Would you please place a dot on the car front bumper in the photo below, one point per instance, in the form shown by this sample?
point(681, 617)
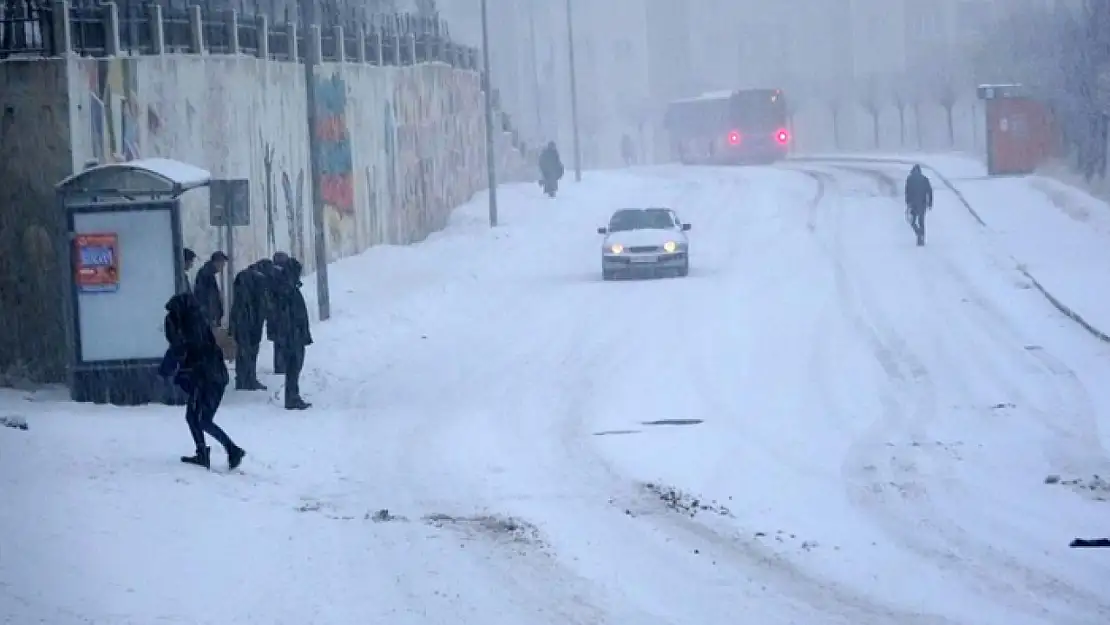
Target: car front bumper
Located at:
point(643, 262)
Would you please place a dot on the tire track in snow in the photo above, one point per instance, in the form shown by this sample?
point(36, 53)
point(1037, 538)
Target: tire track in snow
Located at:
point(825, 598)
point(871, 450)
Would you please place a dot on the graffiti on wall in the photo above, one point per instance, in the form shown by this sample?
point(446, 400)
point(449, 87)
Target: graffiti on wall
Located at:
point(294, 212)
point(114, 110)
point(333, 145)
point(293, 196)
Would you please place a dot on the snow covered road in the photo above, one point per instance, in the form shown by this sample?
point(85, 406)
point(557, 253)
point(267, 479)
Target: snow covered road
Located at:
point(854, 431)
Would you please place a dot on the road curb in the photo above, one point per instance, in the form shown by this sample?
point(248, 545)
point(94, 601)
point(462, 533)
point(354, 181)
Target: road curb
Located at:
point(1052, 299)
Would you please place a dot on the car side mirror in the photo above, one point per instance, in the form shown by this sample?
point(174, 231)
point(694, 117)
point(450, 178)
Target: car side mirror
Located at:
point(603, 231)
point(685, 227)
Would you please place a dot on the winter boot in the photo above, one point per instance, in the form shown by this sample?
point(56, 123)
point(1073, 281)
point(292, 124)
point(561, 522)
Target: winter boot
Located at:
point(235, 457)
point(202, 459)
point(297, 404)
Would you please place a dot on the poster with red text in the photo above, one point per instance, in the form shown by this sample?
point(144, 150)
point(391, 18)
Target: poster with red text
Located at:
point(96, 261)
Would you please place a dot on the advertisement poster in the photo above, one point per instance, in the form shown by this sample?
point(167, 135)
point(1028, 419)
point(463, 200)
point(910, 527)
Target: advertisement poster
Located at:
point(97, 260)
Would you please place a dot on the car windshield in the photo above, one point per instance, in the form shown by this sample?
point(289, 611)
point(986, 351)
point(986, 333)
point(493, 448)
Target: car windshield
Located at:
point(640, 220)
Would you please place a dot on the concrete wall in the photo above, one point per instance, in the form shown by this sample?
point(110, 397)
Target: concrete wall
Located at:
point(34, 154)
point(400, 146)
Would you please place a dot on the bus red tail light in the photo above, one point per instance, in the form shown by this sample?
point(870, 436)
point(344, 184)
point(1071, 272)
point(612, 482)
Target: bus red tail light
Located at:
point(782, 136)
point(734, 137)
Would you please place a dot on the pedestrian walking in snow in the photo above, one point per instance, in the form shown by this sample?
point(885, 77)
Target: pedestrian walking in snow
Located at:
point(195, 363)
point(551, 169)
point(280, 259)
point(919, 199)
point(291, 330)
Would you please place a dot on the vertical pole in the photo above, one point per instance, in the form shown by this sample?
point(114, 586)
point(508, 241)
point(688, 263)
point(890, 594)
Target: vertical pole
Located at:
point(535, 65)
point(491, 163)
point(311, 59)
point(573, 96)
point(229, 289)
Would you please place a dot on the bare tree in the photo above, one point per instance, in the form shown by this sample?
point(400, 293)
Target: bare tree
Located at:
point(872, 98)
point(948, 89)
point(900, 94)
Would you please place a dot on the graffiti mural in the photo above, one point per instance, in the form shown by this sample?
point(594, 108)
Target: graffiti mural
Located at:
point(114, 110)
point(294, 212)
point(293, 196)
point(269, 205)
point(333, 145)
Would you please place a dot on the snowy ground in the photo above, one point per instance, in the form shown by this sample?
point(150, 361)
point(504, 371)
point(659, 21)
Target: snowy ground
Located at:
point(877, 422)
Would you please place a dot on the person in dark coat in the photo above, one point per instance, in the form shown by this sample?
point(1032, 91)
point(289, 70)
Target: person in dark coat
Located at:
point(207, 288)
point(188, 259)
point(919, 198)
point(551, 169)
point(280, 259)
point(195, 363)
point(249, 309)
point(291, 330)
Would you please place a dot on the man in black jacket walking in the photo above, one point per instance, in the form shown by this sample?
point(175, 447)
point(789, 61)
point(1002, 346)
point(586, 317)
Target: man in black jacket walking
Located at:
point(291, 329)
point(249, 309)
point(196, 364)
point(207, 288)
point(551, 169)
point(919, 198)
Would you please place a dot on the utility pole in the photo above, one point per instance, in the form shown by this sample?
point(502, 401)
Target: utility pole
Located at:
point(573, 96)
point(535, 65)
point(491, 161)
point(311, 61)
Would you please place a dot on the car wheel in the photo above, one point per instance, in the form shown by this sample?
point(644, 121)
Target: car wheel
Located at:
point(608, 275)
point(684, 270)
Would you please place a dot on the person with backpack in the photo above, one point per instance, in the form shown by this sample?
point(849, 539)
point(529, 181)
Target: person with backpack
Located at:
point(919, 199)
point(195, 363)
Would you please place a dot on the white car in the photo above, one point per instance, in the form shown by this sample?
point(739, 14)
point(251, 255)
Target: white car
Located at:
point(644, 241)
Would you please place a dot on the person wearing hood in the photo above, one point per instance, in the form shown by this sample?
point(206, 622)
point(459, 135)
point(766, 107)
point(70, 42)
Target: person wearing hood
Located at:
point(207, 288)
point(249, 309)
point(551, 169)
point(195, 363)
point(919, 198)
point(291, 330)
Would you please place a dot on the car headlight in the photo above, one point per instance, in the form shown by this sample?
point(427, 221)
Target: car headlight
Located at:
point(670, 246)
point(616, 248)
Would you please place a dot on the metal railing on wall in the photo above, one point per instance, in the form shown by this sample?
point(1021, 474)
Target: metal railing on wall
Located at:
point(268, 29)
point(99, 29)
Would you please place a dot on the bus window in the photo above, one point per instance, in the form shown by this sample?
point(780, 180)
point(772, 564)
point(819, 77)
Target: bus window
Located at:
point(759, 110)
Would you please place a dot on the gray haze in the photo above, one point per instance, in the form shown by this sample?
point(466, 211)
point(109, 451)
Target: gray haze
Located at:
point(854, 56)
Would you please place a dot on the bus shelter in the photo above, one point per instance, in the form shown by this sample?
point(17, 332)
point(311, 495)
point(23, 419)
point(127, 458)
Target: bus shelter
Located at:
point(123, 250)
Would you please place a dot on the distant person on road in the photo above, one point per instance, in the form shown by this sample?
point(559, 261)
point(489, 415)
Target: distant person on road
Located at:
point(919, 198)
point(207, 288)
point(195, 363)
point(628, 151)
point(291, 330)
point(551, 169)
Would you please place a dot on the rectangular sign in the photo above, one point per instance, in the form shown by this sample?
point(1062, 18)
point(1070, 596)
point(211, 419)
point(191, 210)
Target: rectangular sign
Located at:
point(96, 262)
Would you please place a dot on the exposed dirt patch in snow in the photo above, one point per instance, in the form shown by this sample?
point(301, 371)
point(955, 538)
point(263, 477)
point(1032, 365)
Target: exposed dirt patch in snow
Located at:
point(500, 527)
point(1096, 487)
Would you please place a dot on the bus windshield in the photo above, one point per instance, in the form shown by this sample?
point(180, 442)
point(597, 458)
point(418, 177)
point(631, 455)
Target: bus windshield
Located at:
point(759, 110)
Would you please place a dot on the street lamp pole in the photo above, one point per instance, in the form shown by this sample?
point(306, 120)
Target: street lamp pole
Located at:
point(573, 96)
point(491, 161)
point(535, 66)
